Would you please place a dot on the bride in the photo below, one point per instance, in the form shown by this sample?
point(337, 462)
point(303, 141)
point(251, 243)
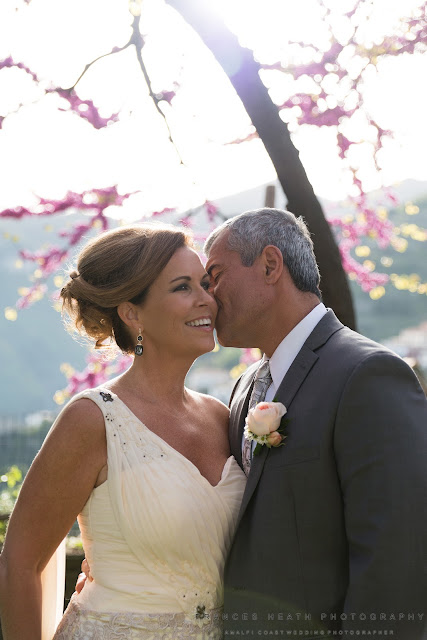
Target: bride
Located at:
point(143, 462)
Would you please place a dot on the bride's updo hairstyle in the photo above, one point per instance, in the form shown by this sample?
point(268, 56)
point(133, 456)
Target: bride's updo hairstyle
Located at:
point(117, 266)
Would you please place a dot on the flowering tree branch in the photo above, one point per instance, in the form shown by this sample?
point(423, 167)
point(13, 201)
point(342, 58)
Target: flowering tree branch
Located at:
point(336, 97)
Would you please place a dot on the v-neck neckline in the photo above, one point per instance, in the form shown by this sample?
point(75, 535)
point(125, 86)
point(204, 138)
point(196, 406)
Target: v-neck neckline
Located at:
point(225, 468)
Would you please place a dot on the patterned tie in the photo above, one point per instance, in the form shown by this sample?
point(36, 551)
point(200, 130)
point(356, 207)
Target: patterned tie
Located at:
point(263, 380)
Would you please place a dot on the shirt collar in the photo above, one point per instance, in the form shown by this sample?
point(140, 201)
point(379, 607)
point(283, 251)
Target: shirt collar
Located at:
point(288, 349)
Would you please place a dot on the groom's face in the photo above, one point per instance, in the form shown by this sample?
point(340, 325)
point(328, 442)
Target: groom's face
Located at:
point(238, 291)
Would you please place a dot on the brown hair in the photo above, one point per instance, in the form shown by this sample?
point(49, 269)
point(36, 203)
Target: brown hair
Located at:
point(117, 266)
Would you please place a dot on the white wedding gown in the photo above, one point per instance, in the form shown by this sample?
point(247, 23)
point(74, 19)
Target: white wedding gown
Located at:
point(156, 535)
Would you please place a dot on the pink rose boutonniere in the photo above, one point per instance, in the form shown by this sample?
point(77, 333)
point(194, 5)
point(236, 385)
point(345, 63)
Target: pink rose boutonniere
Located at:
point(263, 424)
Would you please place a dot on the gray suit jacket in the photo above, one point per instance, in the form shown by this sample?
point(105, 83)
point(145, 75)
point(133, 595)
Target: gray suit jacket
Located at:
point(332, 527)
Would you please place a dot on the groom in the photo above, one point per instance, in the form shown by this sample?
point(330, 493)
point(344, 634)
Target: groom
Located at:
point(331, 534)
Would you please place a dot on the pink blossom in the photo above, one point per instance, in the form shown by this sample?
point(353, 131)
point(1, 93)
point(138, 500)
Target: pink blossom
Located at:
point(36, 292)
point(84, 108)
point(312, 69)
point(366, 279)
point(94, 199)
point(48, 261)
point(165, 210)
point(76, 233)
point(311, 114)
point(328, 118)
point(343, 144)
point(249, 356)
point(186, 221)
point(78, 230)
point(332, 54)
point(250, 136)
point(9, 63)
point(211, 209)
point(96, 372)
point(390, 195)
point(167, 96)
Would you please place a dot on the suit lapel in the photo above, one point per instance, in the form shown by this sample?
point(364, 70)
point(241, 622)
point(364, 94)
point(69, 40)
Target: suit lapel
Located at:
point(296, 375)
point(286, 392)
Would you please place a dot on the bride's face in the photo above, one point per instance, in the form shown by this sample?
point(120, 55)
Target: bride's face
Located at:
point(178, 314)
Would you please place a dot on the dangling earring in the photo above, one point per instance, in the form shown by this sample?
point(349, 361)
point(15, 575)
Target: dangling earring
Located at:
point(138, 347)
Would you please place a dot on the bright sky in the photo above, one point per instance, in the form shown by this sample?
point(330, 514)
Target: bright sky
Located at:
point(45, 151)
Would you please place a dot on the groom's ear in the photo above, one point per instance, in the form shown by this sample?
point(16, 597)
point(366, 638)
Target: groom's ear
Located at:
point(273, 263)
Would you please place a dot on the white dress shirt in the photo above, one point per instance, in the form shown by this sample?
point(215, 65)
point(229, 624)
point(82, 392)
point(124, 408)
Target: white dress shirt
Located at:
point(288, 350)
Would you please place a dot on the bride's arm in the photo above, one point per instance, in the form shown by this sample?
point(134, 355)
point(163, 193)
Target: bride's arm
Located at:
point(55, 490)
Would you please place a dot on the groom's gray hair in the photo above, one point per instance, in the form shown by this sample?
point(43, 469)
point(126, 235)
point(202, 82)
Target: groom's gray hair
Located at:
point(252, 231)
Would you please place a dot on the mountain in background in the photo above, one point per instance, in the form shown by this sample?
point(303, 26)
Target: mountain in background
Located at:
point(34, 346)
point(406, 191)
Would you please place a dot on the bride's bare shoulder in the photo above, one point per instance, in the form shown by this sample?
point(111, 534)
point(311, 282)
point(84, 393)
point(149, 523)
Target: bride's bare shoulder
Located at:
point(211, 406)
point(80, 415)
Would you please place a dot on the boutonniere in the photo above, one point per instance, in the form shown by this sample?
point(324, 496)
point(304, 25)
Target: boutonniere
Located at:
point(264, 425)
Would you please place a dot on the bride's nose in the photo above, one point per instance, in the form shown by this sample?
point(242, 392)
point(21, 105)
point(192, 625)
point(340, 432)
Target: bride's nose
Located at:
point(205, 297)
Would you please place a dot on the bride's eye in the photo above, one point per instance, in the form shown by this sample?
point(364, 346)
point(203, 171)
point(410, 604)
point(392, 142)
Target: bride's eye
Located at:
point(182, 287)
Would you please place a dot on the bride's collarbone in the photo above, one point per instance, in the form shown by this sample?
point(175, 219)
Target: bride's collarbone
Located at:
point(199, 440)
point(184, 431)
point(184, 421)
point(194, 430)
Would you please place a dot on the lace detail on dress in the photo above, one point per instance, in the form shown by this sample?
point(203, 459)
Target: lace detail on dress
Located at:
point(83, 624)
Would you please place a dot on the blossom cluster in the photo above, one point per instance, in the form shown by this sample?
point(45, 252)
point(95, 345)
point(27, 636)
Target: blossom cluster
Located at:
point(48, 260)
point(335, 98)
point(8, 63)
point(85, 109)
point(96, 372)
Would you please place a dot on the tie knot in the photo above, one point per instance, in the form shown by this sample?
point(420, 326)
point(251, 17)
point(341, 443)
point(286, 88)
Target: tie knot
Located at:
point(263, 371)
point(262, 381)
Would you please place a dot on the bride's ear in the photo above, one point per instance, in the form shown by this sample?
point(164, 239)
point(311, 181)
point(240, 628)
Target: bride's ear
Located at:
point(128, 313)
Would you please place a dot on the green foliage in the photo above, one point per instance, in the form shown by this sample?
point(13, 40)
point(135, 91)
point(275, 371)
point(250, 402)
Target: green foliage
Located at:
point(13, 480)
point(12, 477)
point(74, 544)
point(20, 447)
point(10, 486)
point(398, 308)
